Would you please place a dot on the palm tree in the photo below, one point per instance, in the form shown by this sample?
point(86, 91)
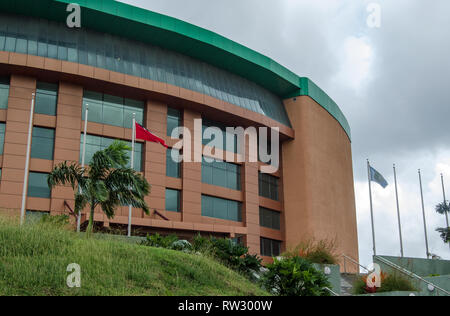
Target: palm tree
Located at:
point(106, 182)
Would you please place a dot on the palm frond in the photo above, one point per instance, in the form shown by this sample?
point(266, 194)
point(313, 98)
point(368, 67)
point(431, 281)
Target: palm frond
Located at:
point(443, 208)
point(65, 173)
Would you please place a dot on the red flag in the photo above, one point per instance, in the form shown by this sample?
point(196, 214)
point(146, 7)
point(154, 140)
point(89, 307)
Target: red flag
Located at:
point(144, 134)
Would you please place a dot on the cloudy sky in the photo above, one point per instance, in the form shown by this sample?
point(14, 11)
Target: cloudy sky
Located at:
point(391, 82)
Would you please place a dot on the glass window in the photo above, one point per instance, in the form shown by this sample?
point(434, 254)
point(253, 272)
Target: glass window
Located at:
point(268, 186)
point(96, 143)
point(221, 208)
point(46, 98)
point(173, 168)
point(220, 173)
point(2, 137)
point(173, 200)
point(4, 93)
point(43, 143)
point(207, 123)
point(112, 110)
point(173, 120)
point(269, 218)
point(35, 216)
point(270, 247)
point(37, 185)
point(0, 174)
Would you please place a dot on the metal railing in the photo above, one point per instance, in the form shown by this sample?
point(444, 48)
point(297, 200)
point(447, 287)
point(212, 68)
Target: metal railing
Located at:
point(353, 261)
point(410, 274)
point(331, 291)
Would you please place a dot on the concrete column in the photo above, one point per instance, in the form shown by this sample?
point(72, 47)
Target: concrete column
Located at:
point(192, 177)
point(67, 139)
point(15, 146)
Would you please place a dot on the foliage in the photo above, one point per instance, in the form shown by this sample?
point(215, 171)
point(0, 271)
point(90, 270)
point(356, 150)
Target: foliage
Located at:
point(158, 241)
point(295, 276)
point(57, 220)
point(444, 209)
point(106, 182)
point(445, 234)
point(34, 259)
point(389, 283)
point(321, 252)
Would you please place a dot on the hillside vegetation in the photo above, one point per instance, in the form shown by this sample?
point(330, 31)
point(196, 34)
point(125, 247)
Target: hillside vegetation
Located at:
point(34, 260)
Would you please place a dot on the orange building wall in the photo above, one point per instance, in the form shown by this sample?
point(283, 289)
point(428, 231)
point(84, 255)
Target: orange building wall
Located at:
point(319, 200)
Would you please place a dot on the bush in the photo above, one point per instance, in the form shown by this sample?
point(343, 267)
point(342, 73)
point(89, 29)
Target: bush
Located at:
point(58, 220)
point(235, 256)
point(295, 276)
point(321, 252)
point(389, 283)
point(159, 241)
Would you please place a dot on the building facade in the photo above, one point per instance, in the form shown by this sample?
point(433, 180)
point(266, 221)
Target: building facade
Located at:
point(126, 60)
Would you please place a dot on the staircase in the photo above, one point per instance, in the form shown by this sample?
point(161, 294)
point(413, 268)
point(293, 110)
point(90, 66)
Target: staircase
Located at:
point(347, 281)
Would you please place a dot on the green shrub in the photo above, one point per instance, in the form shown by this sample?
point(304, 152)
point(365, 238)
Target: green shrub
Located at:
point(235, 256)
point(321, 252)
point(158, 241)
point(389, 283)
point(295, 276)
point(57, 220)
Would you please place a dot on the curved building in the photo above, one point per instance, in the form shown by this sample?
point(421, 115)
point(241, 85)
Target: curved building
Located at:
point(126, 60)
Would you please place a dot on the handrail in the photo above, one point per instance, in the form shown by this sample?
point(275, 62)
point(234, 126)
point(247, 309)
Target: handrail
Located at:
point(331, 291)
point(70, 209)
point(355, 262)
point(160, 215)
point(410, 274)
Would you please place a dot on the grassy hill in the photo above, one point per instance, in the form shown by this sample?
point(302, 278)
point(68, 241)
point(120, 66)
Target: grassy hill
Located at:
point(34, 259)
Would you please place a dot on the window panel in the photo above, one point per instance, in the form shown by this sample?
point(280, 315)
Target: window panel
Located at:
point(270, 247)
point(2, 137)
point(269, 218)
point(222, 174)
point(173, 120)
point(173, 168)
point(46, 98)
point(112, 110)
point(221, 208)
point(268, 186)
point(37, 185)
point(172, 200)
point(4, 93)
point(43, 142)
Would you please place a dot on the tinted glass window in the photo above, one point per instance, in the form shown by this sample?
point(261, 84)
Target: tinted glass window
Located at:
point(46, 98)
point(224, 144)
point(268, 186)
point(269, 218)
point(173, 200)
point(2, 137)
point(270, 247)
point(173, 168)
point(37, 185)
point(43, 142)
point(4, 92)
point(222, 174)
point(173, 120)
point(221, 208)
point(111, 110)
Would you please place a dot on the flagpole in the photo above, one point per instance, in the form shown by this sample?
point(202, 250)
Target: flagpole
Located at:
point(133, 139)
point(398, 213)
point(445, 201)
point(27, 162)
point(83, 157)
point(424, 219)
point(371, 209)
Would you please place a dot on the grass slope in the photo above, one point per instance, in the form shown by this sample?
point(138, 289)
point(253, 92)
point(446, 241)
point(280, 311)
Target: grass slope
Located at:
point(34, 259)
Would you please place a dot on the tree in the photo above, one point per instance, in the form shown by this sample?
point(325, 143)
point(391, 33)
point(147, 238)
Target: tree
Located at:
point(444, 209)
point(105, 182)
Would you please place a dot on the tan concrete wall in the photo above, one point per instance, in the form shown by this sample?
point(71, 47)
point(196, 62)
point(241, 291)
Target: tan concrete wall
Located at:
point(319, 196)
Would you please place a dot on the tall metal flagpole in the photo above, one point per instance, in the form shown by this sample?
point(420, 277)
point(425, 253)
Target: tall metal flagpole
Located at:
point(423, 212)
point(83, 157)
point(27, 162)
point(445, 201)
point(398, 213)
point(371, 208)
point(133, 139)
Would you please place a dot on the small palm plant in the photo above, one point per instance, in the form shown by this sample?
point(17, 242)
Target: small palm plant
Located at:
point(105, 182)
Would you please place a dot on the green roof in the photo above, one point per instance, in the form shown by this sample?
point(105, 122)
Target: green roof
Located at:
point(131, 22)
